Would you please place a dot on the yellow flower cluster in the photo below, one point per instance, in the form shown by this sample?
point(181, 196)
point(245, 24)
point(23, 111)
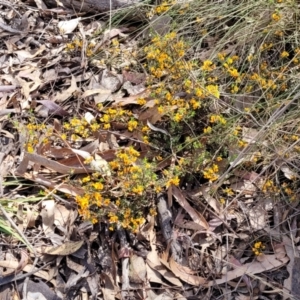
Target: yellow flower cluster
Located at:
point(270, 187)
point(276, 17)
point(77, 44)
point(217, 119)
point(208, 66)
point(211, 173)
point(213, 90)
point(165, 59)
point(33, 131)
point(130, 179)
point(258, 248)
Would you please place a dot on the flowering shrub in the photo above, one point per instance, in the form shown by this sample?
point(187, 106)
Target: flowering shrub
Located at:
point(209, 79)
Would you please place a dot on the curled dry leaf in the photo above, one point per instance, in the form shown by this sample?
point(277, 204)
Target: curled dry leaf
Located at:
point(255, 267)
point(54, 108)
point(110, 81)
point(288, 172)
point(110, 289)
point(62, 187)
point(27, 268)
point(47, 214)
point(65, 94)
point(69, 26)
point(98, 163)
point(16, 267)
point(213, 203)
point(105, 93)
point(137, 269)
point(185, 273)
point(154, 128)
point(257, 217)
point(51, 164)
point(66, 248)
point(195, 215)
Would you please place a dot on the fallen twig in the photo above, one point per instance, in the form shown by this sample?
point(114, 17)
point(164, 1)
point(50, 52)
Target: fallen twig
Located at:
point(165, 218)
point(125, 264)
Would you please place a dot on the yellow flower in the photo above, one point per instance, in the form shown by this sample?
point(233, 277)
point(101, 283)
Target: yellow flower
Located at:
point(98, 199)
point(207, 129)
point(221, 56)
point(178, 117)
point(258, 247)
point(208, 65)
point(242, 144)
point(234, 72)
point(284, 54)
point(234, 89)
point(195, 104)
point(138, 189)
point(157, 189)
point(132, 124)
point(145, 129)
point(86, 179)
point(133, 152)
point(105, 118)
point(213, 90)
point(228, 191)
point(113, 218)
point(250, 57)
point(30, 148)
point(276, 17)
point(127, 213)
point(173, 181)
point(98, 186)
point(215, 168)
point(106, 202)
point(88, 160)
point(160, 109)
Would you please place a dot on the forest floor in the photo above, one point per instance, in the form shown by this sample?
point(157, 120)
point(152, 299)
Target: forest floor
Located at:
point(150, 152)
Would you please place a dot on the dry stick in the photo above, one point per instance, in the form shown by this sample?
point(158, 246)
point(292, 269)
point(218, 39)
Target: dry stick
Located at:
point(12, 278)
point(165, 218)
point(9, 29)
point(27, 279)
point(125, 264)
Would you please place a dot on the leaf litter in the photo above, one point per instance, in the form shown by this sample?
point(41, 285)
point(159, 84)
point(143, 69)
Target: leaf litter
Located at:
point(184, 253)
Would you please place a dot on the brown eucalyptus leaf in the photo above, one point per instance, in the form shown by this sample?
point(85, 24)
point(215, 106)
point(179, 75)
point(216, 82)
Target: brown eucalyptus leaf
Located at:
point(195, 215)
point(54, 108)
point(137, 269)
point(66, 248)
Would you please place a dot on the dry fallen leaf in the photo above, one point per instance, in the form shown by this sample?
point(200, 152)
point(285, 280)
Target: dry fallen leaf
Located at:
point(255, 267)
point(195, 215)
point(66, 248)
point(54, 108)
point(47, 214)
point(137, 269)
point(69, 26)
point(185, 273)
point(65, 94)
